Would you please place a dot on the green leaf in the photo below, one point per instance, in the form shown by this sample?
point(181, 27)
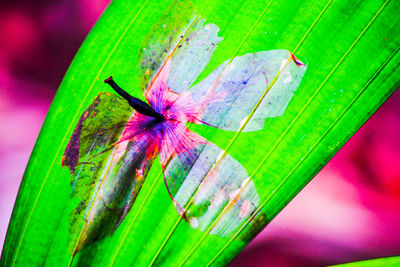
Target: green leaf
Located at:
point(351, 50)
point(389, 261)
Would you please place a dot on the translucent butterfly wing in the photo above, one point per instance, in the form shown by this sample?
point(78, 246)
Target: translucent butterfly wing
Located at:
point(188, 56)
point(193, 55)
point(105, 178)
point(240, 84)
point(212, 191)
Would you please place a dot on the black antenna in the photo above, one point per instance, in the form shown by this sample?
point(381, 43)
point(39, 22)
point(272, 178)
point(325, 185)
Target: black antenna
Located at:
point(137, 104)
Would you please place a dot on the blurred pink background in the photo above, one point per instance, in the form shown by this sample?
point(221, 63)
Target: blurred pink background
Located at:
point(349, 212)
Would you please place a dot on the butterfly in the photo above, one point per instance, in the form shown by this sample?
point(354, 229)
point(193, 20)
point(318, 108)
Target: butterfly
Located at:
point(119, 137)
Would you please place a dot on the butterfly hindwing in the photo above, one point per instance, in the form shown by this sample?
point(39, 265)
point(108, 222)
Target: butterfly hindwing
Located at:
point(210, 189)
point(105, 176)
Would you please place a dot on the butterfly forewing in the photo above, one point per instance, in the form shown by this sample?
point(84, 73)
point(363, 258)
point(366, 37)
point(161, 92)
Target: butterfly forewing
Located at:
point(239, 85)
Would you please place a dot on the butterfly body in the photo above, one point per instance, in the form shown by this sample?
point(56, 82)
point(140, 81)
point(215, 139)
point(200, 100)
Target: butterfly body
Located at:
point(134, 102)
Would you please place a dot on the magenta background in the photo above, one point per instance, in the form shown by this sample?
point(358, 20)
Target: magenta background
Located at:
point(349, 212)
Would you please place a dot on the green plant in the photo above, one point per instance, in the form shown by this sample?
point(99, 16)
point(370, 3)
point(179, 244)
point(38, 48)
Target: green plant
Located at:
point(352, 53)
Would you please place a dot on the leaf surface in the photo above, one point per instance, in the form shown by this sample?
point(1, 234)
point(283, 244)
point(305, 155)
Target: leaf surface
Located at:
point(351, 51)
